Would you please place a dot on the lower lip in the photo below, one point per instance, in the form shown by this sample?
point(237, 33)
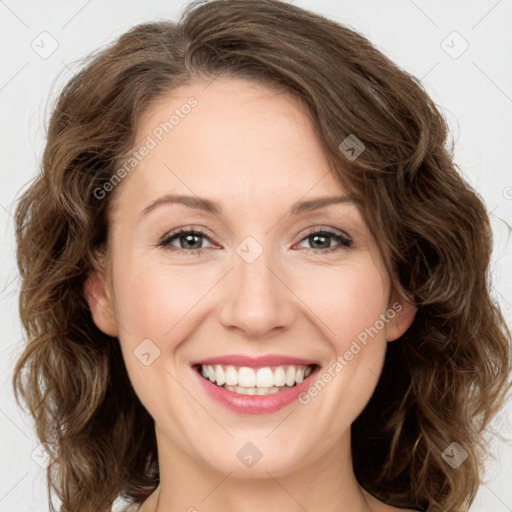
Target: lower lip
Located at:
point(255, 404)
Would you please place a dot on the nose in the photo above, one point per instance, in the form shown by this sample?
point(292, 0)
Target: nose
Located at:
point(259, 300)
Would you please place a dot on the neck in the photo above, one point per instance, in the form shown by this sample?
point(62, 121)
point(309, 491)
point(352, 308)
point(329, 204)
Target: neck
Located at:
point(327, 484)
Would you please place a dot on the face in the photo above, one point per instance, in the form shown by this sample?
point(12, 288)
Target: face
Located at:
point(302, 289)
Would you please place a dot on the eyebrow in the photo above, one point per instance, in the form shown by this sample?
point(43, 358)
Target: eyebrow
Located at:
point(207, 205)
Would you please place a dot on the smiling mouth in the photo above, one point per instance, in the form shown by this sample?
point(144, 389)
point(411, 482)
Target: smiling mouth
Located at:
point(255, 381)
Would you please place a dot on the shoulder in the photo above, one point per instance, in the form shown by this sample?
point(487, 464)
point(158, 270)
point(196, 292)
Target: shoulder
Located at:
point(383, 507)
point(125, 507)
point(380, 506)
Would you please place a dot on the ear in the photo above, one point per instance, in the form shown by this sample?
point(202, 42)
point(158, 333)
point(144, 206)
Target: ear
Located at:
point(97, 292)
point(405, 311)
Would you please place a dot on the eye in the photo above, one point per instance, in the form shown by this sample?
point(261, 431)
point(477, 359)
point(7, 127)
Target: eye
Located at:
point(322, 238)
point(189, 241)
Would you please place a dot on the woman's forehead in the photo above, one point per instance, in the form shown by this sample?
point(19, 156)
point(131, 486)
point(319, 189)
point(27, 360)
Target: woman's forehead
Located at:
point(239, 140)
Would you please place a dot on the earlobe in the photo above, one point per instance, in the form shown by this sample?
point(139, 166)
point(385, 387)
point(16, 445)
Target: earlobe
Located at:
point(405, 311)
point(98, 296)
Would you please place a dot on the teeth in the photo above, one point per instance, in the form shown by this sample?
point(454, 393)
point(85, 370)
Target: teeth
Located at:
point(246, 377)
point(279, 376)
point(265, 379)
point(290, 375)
point(254, 391)
point(220, 376)
point(231, 376)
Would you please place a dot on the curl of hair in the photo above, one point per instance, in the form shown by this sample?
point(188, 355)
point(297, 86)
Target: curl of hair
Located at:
point(443, 381)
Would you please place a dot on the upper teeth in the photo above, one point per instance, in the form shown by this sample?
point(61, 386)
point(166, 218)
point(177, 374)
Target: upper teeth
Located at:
point(265, 377)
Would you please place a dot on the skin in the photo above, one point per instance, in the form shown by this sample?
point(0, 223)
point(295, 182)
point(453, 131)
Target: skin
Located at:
point(254, 151)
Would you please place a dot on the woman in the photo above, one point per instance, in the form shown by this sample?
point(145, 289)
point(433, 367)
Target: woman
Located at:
point(254, 369)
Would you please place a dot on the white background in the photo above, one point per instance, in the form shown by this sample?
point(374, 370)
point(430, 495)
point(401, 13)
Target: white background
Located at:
point(473, 90)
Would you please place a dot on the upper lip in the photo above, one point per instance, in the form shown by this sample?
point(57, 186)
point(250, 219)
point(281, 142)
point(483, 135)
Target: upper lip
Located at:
point(254, 362)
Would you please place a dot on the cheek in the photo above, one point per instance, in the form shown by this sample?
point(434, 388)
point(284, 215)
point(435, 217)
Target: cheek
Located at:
point(350, 304)
point(155, 307)
point(344, 299)
point(156, 300)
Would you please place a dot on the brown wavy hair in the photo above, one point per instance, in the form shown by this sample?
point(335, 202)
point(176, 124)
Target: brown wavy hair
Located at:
point(443, 380)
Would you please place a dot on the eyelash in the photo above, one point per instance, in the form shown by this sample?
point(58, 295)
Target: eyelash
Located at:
point(343, 240)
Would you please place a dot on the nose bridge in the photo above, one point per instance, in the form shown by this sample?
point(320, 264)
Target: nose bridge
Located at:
point(258, 301)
